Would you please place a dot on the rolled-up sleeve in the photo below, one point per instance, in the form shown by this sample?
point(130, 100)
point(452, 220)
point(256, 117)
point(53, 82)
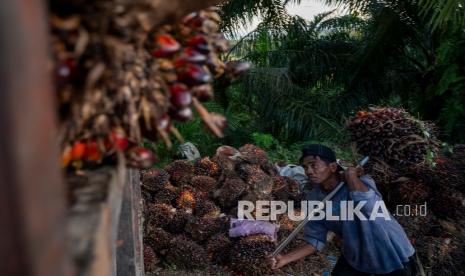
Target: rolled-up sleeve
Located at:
point(315, 234)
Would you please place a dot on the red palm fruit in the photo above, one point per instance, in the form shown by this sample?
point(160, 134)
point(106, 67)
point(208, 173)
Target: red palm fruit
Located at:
point(193, 20)
point(180, 95)
point(92, 152)
point(66, 156)
point(200, 43)
point(203, 92)
point(192, 74)
point(165, 45)
point(190, 55)
point(140, 157)
point(182, 115)
point(119, 139)
point(78, 151)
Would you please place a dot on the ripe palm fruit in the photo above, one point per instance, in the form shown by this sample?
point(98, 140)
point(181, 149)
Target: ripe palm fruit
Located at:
point(187, 254)
point(207, 167)
point(207, 208)
point(230, 192)
point(201, 229)
point(293, 188)
point(165, 45)
point(256, 179)
point(253, 154)
point(186, 199)
point(150, 259)
point(203, 183)
point(78, 150)
point(158, 238)
point(219, 248)
point(192, 74)
point(181, 171)
point(159, 214)
point(181, 97)
point(154, 179)
point(249, 255)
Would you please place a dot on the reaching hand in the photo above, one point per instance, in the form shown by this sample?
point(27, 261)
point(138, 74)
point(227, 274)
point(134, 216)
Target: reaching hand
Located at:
point(277, 262)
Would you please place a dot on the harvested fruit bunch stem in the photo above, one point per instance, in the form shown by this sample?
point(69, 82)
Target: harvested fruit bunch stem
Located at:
point(120, 77)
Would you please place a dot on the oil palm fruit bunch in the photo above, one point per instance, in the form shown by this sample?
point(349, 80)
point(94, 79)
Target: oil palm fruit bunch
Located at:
point(168, 194)
point(200, 229)
point(203, 183)
point(178, 221)
point(207, 208)
point(121, 76)
point(157, 238)
point(207, 167)
point(180, 171)
point(219, 248)
point(159, 214)
point(187, 254)
point(230, 192)
point(249, 255)
point(412, 191)
point(154, 179)
point(150, 259)
point(393, 136)
point(253, 154)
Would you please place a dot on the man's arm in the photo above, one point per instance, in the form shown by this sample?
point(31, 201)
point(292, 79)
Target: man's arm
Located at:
point(297, 254)
point(353, 182)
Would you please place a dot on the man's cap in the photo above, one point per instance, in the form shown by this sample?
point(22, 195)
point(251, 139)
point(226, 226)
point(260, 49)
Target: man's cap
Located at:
point(322, 151)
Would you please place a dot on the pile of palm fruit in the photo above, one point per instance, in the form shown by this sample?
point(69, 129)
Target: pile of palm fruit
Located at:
point(189, 206)
point(121, 76)
point(410, 168)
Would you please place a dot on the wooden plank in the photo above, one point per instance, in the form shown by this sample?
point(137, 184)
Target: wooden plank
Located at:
point(94, 218)
point(32, 195)
point(130, 246)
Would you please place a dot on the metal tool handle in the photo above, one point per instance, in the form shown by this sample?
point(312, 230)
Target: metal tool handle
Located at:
point(301, 224)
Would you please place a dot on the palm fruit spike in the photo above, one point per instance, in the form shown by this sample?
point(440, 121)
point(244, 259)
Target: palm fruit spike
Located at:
point(178, 222)
point(201, 229)
point(249, 253)
point(230, 192)
point(207, 208)
point(150, 259)
point(203, 183)
point(253, 154)
point(219, 248)
point(207, 167)
point(186, 199)
point(159, 214)
point(158, 238)
point(187, 254)
point(180, 171)
point(154, 179)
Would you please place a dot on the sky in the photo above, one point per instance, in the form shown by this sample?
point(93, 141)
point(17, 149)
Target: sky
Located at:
point(307, 9)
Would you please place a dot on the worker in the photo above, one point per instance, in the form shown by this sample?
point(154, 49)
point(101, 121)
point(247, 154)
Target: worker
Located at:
point(378, 246)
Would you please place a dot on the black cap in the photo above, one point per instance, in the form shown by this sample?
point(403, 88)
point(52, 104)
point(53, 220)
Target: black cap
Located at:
point(323, 152)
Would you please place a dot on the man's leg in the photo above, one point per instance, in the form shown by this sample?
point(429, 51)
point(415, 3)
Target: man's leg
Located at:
point(343, 268)
point(408, 270)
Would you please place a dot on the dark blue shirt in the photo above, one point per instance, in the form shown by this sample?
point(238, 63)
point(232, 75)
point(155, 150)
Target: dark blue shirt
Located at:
point(371, 246)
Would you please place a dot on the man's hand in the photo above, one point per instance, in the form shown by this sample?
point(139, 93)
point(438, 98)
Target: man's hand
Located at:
point(277, 262)
point(353, 172)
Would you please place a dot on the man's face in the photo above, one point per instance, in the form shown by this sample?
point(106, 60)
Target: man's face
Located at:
point(317, 170)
